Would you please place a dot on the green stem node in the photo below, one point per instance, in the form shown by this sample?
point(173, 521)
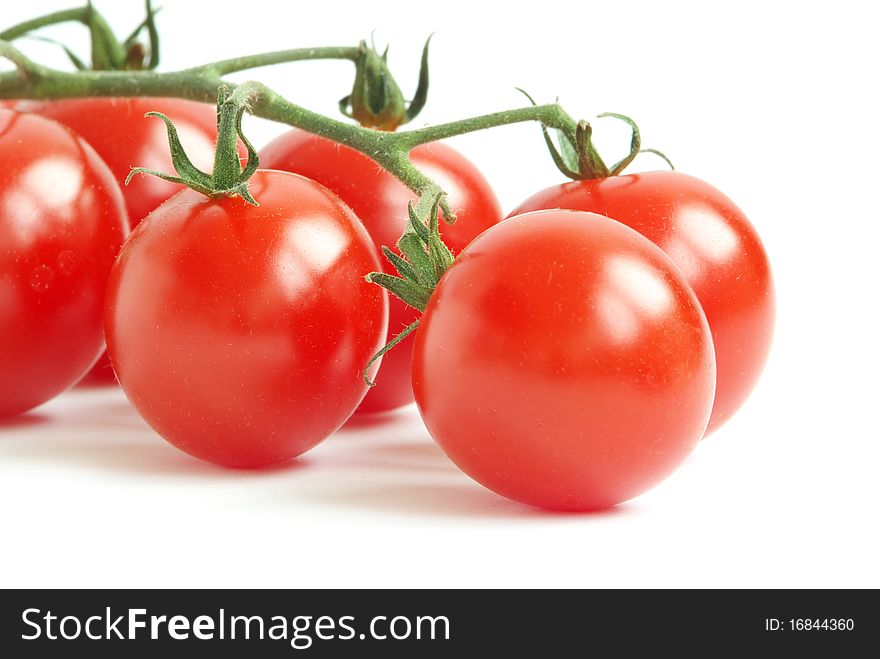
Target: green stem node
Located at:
point(228, 178)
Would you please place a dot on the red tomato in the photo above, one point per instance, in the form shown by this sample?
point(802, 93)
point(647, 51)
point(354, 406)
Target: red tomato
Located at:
point(118, 131)
point(716, 248)
point(62, 221)
point(240, 332)
point(563, 361)
point(380, 201)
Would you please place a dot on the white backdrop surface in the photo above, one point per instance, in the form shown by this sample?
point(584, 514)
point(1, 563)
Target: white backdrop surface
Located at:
point(771, 102)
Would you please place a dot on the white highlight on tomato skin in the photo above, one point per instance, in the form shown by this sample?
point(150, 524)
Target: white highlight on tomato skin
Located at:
point(703, 236)
point(23, 213)
point(310, 248)
point(48, 185)
point(55, 181)
point(641, 284)
point(635, 290)
point(618, 317)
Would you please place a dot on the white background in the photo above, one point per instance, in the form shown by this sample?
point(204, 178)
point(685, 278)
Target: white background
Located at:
point(774, 103)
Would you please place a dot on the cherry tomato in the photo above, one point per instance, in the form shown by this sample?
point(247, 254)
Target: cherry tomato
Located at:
point(116, 128)
point(563, 361)
point(380, 201)
point(62, 221)
point(240, 333)
point(716, 248)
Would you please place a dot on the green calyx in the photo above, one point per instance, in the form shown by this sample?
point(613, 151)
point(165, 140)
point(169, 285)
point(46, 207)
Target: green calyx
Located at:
point(580, 160)
point(376, 100)
point(228, 178)
point(108, 53)
point(577, 157)
point(422, 261)
point(425, 257)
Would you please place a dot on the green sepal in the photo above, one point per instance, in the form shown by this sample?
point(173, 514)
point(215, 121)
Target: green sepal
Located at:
point(400, 264)
point(388, 346)
point(409, 292)
point(253, 157)
point(421, 96)
point(439, 254)
point(579, 159)
point(133, 47)
point(243, 191)
point(635, 144)
point(179, 158)
point(376, 100)
point(590, 163)
point(344, 105)
point(415, 251)
point(565, 157)
point(76, 61)
point(228, 178)
point(107, 52)
point(423, 260)
point(208, 192)
point(78, 64)
point(661, 155)
point(416, 224)
point(567, 151)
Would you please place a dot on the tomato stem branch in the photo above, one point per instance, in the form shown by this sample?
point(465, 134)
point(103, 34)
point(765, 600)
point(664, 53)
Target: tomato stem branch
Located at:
point(551, 115)
point(236, 64)
point(201, 83)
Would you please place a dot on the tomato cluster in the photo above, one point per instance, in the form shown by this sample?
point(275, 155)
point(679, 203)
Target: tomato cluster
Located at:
point(569, 356)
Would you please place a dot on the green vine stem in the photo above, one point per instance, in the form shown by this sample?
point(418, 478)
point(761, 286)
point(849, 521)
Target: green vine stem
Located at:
point(78, 15)
point(375, 101)
point(108, 52)
point(390, 150)
point(236, 64)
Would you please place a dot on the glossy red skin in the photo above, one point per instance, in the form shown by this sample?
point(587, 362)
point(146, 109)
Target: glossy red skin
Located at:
point(380, 201)
point(124, 138)
point(240, 333)
point(714, 245)
point(564, 362)
point(62, 221)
